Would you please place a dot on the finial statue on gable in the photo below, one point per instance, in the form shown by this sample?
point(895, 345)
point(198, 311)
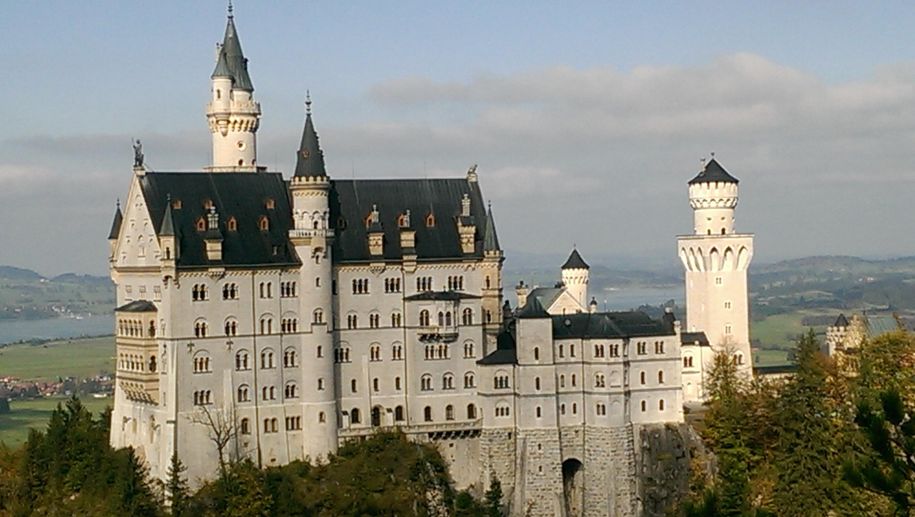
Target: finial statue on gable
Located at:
point(472, 173)
point(137, 155)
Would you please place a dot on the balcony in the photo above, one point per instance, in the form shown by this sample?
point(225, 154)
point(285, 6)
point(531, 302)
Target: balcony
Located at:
point(437, 334)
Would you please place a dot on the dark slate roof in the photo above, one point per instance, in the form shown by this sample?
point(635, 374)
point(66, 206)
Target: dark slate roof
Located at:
point(452, 296)
point(241, 195)
point(575, 261)
point(505, 353)
point(533, 309)
point(546, 295)
point(490, 239)
point(310, 157)
point(841, 321)
point(607, 325)
point(235, 60)
point(116, 223)
point(775, 369)
point(351, 202)
point(168, 223)
point(689, 338)
point(138, 306)
point(713, 172)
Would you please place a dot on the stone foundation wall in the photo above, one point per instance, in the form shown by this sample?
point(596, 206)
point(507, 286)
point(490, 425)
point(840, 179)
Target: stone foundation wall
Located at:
point(498, 457)
point(663, 463)
point(539, 485)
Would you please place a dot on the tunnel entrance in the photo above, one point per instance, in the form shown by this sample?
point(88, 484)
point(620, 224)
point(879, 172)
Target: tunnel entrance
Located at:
point(573, 487)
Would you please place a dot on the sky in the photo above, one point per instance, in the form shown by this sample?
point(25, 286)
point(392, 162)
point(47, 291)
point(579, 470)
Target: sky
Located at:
point(586, 119)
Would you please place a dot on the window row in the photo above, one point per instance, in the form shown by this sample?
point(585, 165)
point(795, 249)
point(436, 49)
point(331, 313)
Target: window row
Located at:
point(392, 285)
point(135, 328)
point(444, 318)
point(425, 382)
point(135, 363)
point(360, 286)
point(352, 320)
point(642, 347)
point(290, 359)
point(287, 289)
point(456, 283)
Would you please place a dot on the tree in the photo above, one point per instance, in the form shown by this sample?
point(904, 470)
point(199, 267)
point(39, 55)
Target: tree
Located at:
point(222, 429)
point(814, 429)
point(493, 497)
point(176, 486)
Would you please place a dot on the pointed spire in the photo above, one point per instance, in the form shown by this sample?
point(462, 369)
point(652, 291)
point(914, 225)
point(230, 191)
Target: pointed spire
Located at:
point(222, 67)
point(490, 239)
point(167, 228)
point(236, 64)
point(309, 158)
point(116, 224)
point(575, 261)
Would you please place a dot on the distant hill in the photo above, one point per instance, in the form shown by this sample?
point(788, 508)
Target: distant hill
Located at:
point(26, 294)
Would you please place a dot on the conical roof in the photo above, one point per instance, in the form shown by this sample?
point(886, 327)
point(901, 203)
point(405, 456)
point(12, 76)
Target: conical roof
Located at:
point(116, 223)
point(167, 228)
point(490, 239)
point(310, 158)
point(712, 173)
point(236, 66)
point(575, 261)
point(841, 321)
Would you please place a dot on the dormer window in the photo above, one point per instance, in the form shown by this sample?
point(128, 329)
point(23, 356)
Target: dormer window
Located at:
point(207, 204)
point(201, 224)
point(232, 224)
point(341, 223)
point(270, 203)
point(368, 220)
point(264, 224)
point(402, 221)
point(430, 220)
point(176, 204)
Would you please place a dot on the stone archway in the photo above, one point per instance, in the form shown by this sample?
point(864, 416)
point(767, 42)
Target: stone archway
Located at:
point(573, 487)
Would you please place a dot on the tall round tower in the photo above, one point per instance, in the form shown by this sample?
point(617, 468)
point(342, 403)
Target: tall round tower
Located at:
point(716, 259)
point(232, 113)
point(312, 237)
point(575, 276)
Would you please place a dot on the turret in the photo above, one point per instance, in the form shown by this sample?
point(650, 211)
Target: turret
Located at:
point(575, 275)
point(232, 113)
point(713, 197)
point(312, 237)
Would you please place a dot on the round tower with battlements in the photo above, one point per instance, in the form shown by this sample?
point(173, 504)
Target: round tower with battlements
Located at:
point(575, 276)
point(716, 259)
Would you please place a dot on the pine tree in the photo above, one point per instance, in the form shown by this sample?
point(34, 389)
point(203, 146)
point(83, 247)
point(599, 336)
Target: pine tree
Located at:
point(813, 432)
point(176, 486)
point(493, 497)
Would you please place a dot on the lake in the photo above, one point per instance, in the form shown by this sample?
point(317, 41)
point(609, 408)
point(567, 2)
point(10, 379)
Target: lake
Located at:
point(55, 328)
point(625, 298)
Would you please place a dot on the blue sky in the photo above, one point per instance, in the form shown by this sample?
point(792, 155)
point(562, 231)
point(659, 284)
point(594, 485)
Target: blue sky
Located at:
point(580, 115)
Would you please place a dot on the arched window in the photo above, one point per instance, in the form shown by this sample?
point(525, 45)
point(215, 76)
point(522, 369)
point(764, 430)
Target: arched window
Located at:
point(427, 413)
point(354, 416)
point(352, 386)
point(245, 426)
point(642, 377)
point(661, 377)
point(441, 319)
point(469, 381)
point(267, 359)
point(398, 414)
point(241, 360)
point(425, 382)
point(375, 352)
point(232, 224)
point(291, 391)
point(448, 318)
point(599, 381)
point(202, 362)
point(395, 319)
point(318, 316)
point(471, 412)
point(231, 327)
point(536, 353)
point(661, 405)
point(537, 383)
point(264, 223)
point(200, 328)
point(448, 381)
point(449, 412)
point(467, 316)
point(562, 381)
point(290, 358)
point(244, 394)
point(644, 405)
point(423, 318)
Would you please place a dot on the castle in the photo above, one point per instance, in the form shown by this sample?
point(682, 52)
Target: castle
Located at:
point(272, 318)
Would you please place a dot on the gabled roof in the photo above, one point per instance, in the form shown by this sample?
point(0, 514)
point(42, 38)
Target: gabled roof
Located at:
point(533, 309)
point(351, 202)
point(712, 173)
point(116, 223)
point(692, 338)
point(309, 158)
point(239, 195)
point(490, 239)
point(236, 66)
point(607, 325)
point(138, 306)
point(575, 261)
